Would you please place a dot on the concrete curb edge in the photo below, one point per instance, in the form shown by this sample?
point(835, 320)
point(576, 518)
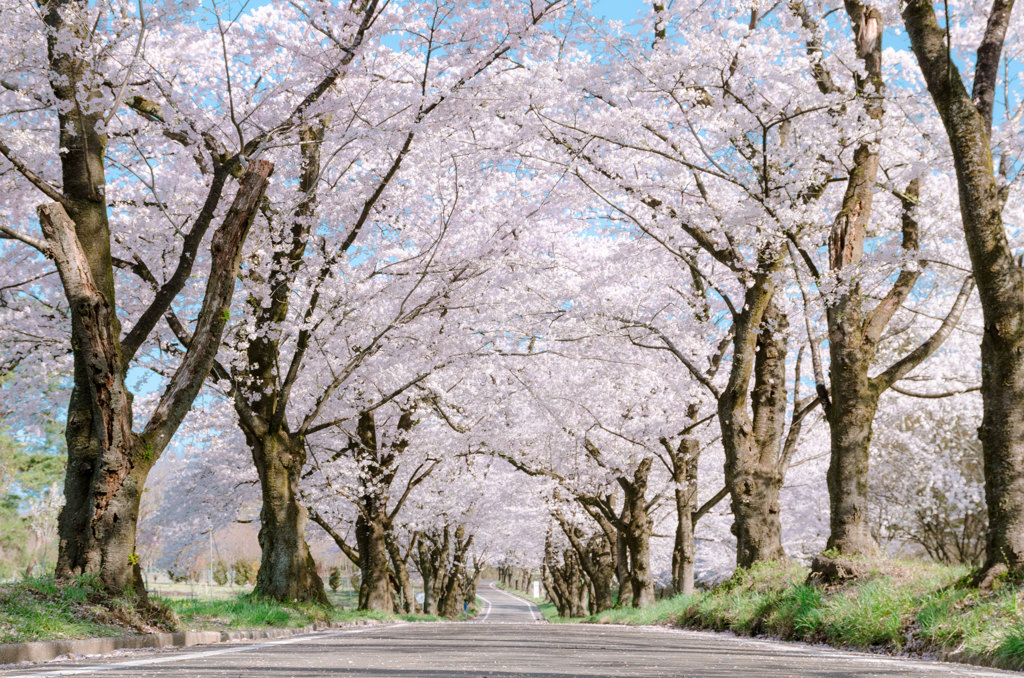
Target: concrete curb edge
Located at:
point(45, 650)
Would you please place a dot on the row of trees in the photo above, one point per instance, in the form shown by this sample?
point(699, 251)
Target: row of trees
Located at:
point(454, 284)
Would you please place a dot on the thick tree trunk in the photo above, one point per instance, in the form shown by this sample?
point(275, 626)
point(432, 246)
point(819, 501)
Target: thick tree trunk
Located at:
point(967, 118)
point(638, 535)
point(854, 402)
point(107, 462)
point(287, 570)
point(371, 537)
point(851, 344)
point(450, 601)
point(752, 447)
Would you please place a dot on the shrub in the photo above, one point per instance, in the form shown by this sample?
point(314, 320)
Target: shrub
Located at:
point(220, 573)
point(245, 571)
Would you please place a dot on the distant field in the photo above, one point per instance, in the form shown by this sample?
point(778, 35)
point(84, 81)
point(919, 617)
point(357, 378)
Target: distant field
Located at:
point(344, 597)
point(341, 597)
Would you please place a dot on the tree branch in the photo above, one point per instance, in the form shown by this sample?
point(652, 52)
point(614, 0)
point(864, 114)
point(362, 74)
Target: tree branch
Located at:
point(226, 251)
point(899, 369)
point(49, 191)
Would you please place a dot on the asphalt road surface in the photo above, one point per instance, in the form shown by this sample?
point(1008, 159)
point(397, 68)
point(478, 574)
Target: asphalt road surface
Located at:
point(507, 641)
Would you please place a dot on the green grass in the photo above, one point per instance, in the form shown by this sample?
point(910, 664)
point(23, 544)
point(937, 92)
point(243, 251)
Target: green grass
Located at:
point(896, 606)
point(39, 609)
point(245, 611)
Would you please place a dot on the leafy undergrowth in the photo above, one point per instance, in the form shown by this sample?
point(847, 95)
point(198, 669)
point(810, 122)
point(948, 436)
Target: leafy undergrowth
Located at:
point(42, 609)
point(250, 612)
point(896, 606)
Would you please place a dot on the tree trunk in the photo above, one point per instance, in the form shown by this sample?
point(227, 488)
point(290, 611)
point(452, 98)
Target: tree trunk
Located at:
point(622, 570)
point(371, 536)
point(287, 570)
point(595, 557)
point(450, 600)
point(684, 475)
point(427, 566)
point(603, 572)
point(638, 535)
point(967, 118)
point(565, 583)
point(405, 600)
point(854, 402)
point(851, 344)
point(752, 447)
point(107, 462)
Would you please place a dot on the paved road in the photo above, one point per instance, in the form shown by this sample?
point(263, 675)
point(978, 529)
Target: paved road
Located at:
point(504, 608)
point(504, 650)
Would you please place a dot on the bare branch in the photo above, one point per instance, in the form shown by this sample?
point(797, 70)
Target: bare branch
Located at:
point(899, 369)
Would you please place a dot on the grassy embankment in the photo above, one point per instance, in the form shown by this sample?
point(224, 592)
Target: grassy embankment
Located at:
point(38, 609)
point(896, 606)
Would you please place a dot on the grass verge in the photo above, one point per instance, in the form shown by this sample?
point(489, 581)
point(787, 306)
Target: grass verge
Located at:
point(896, 606)
point(42, 609)
point(249, 612)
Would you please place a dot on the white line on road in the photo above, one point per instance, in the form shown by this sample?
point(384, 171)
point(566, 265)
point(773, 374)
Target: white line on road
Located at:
point(197, 655)
point(488, 613)
point(534, 610)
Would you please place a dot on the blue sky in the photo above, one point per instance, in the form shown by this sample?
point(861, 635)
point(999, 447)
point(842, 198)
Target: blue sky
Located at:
point(621, 10)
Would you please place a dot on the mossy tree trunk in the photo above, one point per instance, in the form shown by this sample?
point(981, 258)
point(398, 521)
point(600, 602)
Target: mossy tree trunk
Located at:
point(855, 328)
point(967, 117)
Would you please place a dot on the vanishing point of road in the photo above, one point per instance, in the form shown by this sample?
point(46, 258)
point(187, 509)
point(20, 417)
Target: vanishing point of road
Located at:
point(508, 640)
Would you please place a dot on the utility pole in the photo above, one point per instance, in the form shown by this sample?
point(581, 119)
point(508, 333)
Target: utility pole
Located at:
point(211, 560)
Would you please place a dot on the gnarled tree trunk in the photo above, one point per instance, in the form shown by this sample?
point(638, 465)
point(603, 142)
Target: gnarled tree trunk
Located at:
point(107, 462)
point(640, 526)
point(371, 538)
point(287, 570)
point(752, 446)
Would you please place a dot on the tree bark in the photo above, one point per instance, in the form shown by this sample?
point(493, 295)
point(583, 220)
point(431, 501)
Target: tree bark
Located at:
point(684, 476)
point(967, 119)
point(287, 570)
point(752, 446)
point(107, 462)
point(371, 537)
point(373, 523)
point(638, 535)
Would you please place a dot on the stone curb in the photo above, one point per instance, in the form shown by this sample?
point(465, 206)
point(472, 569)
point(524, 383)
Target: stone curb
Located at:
point(989, 662)
point(45, 650)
